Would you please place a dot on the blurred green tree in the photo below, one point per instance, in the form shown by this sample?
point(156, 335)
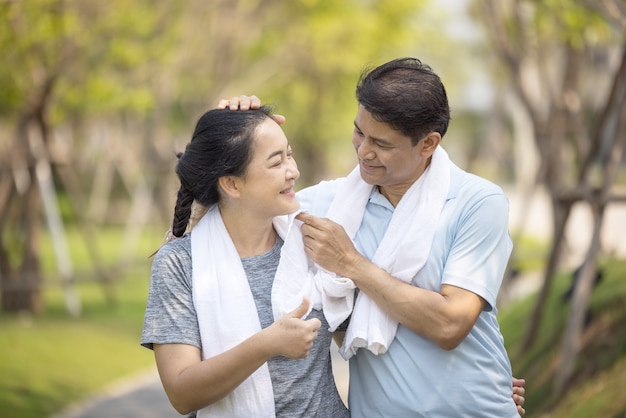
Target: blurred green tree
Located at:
point(63, 61)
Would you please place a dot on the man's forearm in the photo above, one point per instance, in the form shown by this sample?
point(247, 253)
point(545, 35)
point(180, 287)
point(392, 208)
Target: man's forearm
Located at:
point(444, 318)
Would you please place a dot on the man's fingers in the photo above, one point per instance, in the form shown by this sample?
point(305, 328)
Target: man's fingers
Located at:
point(238, 102)
point(223, 104)
point(309, 226)
point(248, 102)
point(242, 102)
point(279, 119)
point(307, 218)
point(518, 386)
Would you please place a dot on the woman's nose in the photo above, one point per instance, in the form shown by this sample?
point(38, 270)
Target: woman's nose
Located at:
point(292, 171)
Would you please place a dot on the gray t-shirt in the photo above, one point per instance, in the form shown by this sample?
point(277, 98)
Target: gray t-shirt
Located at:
point(302, 388)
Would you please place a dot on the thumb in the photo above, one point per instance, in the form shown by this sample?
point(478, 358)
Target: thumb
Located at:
point(279, 119)
point(304, 217)
point(301, 310)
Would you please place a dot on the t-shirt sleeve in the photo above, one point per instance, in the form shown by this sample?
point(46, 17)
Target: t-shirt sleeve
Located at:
point(170, 316)
point(481, 250)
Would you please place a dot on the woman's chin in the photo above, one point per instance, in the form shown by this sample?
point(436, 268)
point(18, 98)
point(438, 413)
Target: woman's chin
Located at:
point(292, 207)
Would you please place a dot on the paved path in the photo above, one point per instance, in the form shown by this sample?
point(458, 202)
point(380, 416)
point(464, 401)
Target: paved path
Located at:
point(135, 397)
point(142, 396)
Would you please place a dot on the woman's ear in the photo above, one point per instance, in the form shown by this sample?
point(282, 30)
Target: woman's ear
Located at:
point(229, 185)
point(430, 143)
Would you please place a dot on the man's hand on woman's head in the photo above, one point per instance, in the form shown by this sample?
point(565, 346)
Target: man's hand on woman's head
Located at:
point(240, 103)
point(244, 102)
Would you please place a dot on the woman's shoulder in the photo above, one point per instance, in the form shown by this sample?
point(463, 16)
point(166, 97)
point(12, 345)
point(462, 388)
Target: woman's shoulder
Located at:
point(174, 251)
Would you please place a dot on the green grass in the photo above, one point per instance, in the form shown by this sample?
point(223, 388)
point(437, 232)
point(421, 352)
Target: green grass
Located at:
point(597, 387)
point(52, 360)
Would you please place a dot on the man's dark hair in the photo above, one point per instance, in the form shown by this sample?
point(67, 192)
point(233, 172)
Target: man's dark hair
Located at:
point(407, 95)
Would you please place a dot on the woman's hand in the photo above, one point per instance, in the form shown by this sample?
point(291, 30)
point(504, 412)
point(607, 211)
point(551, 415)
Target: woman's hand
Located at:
point(292, 336)
point(192, 383)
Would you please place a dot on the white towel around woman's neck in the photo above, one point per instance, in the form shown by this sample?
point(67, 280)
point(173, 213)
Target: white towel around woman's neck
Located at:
point(298, 277)
point(227, 312)
point(403, 250)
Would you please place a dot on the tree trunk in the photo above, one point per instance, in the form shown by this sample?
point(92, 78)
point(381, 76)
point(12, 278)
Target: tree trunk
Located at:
point(24, 294)
point(562, 211)
point(609, 132)
point(21, 287)
point(580, 302)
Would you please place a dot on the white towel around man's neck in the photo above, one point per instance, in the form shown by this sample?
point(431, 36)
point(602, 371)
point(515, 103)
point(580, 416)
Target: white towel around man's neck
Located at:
point(403, 250)
point(227, 312)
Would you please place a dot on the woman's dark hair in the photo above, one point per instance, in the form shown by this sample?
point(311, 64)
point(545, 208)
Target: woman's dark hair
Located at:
point(221, 145)
point(407, 95)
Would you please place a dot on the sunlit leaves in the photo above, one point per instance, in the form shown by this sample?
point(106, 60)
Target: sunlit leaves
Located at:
point(104, 55)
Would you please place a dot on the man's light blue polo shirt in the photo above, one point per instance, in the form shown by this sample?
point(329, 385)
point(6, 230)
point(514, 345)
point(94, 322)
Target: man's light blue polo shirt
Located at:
point(471, 248)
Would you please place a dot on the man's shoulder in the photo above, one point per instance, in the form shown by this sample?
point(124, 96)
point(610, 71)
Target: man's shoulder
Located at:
point(324, 186)
point(316, 199)
point(469, 184)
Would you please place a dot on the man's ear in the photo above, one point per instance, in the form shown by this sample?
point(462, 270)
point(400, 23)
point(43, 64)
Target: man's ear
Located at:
point(430, 143)
point(229, 185)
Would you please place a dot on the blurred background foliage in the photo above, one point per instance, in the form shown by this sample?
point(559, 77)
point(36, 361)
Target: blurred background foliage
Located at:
point(97, 97)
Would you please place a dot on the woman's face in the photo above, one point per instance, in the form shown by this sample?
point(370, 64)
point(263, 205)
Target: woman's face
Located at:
point(270, 178)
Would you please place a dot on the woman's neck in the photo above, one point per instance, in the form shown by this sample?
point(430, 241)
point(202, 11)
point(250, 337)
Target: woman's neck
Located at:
point(250, 236)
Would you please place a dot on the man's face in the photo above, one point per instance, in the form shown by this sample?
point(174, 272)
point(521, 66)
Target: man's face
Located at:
point(387, 158)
